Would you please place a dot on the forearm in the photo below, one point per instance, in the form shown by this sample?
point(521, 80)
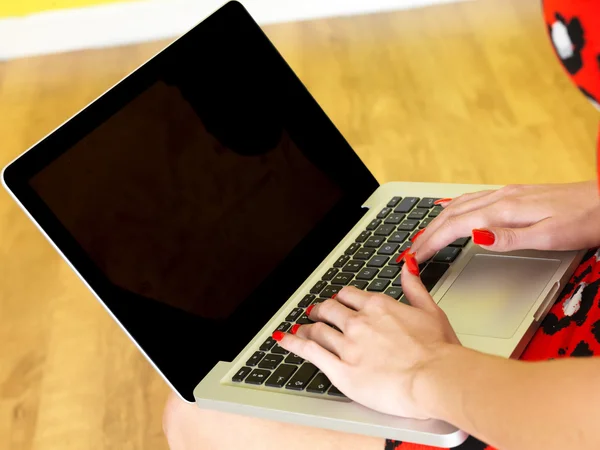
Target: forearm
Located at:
point(515, 405)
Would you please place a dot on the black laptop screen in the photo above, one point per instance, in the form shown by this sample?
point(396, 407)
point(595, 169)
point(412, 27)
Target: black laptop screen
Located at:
point(199, 194)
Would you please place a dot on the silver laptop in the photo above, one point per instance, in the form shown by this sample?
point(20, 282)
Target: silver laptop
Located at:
point(207, 200)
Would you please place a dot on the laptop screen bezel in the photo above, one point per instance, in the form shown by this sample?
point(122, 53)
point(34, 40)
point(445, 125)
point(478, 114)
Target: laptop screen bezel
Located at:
point(17, 175)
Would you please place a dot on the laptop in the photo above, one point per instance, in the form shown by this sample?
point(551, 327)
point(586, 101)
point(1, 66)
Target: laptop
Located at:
point(206, 200)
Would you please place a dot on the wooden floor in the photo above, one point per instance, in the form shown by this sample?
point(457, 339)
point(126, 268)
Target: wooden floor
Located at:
point(465, 92)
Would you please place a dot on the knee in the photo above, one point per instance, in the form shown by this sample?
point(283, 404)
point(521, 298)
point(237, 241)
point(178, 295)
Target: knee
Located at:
point(175, 416)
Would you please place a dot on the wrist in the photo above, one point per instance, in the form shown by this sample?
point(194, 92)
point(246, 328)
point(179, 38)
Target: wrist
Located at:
point(440, 385)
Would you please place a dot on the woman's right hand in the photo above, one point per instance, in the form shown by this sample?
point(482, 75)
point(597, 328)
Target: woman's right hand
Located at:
point(518, 217)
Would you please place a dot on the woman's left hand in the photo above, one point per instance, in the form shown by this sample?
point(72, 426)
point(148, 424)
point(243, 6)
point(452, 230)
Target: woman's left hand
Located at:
point(382, 349)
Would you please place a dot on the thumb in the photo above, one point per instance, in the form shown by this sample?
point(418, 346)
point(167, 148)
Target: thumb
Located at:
point(508, 239)
point(415, 291)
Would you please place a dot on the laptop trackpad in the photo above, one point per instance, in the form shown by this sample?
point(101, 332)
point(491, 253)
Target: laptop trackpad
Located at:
point(494, 293)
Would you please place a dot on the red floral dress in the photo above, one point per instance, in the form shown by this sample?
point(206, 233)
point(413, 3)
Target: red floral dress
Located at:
point(572, 328)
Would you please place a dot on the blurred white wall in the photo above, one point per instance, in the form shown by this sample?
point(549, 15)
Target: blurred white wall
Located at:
point(133, 22)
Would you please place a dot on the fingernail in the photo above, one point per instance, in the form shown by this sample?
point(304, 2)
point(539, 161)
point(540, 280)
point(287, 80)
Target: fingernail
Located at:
point(483, 237)
point(278, 335)
point(309, 309)
point(411, 263)
point(442, 200)
point(334, 296)
point(402, 255)
point(416, 236)
point(294, 329)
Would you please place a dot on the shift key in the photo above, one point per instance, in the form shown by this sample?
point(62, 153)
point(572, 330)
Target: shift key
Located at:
point(302, 377)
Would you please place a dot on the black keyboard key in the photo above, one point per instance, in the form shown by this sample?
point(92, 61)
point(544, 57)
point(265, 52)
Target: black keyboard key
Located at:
point(294, 315)
point(293, 359)
point(359, 284)
point(353, 266)
point(404, 300)
point(373, 225)
point(418, 214)
point(329, 291)
point(367, 274)
point(375, 241)
point(255, 359)
point(241, 374)
point(394, 219)
point(304, 320)
point(412, 236)
point(279, 350)
point(364, 253)
point(385, 230)
point(394, 201)
point(433, 273)
point(281, 375)
point(384, 213)
point(330, 274)
point(302, 377)
point(397, 281)
point(268, 344)
point(352, 249)
point(398, 237)
point(425, 223)
point(394, 292)
point(388, 249)
point(318, 287)
point(319, 384)
point(435, 211)
point(335, 392)
point(341, 261)
point(258, 376)
point(394, 261)
point(447, 255)
point(406, 205)
point(270, 362)
point(283, 327)
point(319, 300)
point(408, 225)
point(405, 246)
point(460, 242)
point(389, 272)
point(342, 279)
point(378, 261)
point(307, 300)
point(362, 237)
point(378, 285)
point(426, 203)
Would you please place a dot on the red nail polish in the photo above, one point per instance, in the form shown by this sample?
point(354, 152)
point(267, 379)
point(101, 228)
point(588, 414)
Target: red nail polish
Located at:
point(294, 329)
point(278, 335)
point(402, 255)
point(483, 237)
point(411, 263)
point(416, 236)
point(309, 309)
point(442, 200)
point(334, 296)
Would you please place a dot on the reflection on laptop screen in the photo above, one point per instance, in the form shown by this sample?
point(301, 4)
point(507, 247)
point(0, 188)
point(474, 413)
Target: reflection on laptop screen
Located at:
point(184, 208)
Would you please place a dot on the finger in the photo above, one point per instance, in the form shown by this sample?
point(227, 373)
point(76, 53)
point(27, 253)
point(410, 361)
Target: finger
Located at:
point(353, 298)
point(307, 349)
point(455, 227)
point(332, 312)
point(462, 205)
point(415, 291)
point(327, 337)
point(467, 197)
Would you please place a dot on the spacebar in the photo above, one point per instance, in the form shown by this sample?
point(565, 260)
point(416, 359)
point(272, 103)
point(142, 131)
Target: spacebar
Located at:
point(432, 274)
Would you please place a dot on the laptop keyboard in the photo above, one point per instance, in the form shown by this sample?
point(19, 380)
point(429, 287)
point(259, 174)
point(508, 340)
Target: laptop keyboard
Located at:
point(368, 264)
